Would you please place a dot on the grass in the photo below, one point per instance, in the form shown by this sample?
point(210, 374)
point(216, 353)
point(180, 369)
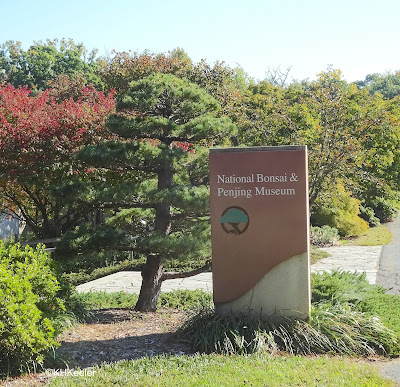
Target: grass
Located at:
point(217, 370)
point(374, 236)
point(177, 299)
point(316, 254)
point(331, 328)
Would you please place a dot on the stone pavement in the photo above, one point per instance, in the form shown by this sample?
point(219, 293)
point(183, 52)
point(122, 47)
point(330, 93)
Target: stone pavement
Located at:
point(130, 282)
point(357, 259)
point(347, 258)
point(389, 270)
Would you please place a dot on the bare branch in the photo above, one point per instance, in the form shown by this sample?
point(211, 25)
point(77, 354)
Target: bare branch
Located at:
point(168, 276)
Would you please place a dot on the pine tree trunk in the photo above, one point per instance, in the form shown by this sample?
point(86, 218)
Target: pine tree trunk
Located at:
point(151, 285)
point(153, 270)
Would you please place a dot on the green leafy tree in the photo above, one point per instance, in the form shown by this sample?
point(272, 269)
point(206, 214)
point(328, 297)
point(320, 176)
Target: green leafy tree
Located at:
point(377, 182)
point(45, 61)
point(119, 69)
point(387, 84)
point(162, 130)
point(348, 132)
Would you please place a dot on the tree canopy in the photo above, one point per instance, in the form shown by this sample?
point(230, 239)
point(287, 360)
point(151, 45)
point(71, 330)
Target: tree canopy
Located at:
point(387, 84)
point(38, 141)
point(162, 129)
point(43, 62)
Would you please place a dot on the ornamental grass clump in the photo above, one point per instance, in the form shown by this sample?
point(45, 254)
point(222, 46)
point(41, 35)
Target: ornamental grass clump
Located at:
point(331, 329)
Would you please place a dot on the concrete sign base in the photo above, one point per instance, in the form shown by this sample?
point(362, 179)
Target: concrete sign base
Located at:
point(273, 294)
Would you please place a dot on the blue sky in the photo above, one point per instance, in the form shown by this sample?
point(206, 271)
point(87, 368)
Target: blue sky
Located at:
point(358, 37)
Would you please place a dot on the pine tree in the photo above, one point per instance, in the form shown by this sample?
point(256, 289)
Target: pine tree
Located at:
point(162, 130)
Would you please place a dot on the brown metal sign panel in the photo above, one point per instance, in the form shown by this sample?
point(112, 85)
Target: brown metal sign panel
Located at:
point(259, 214)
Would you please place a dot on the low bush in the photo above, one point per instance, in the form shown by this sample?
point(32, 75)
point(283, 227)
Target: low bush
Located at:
point(185, 299)
point(89, 261)
point(338, 209)
point(368, 214)
point(29, 307)
point(386, 306)
point(324, 236)
point(341, 286)
point(346, 287)
point(82, 276)
point(104, 300)
point(384, 209)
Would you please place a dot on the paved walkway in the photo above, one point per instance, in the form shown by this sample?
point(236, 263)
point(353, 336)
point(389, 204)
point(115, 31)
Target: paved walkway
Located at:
point(347, 258)
point(130, 282)
point(357, 259)
point(389, 269)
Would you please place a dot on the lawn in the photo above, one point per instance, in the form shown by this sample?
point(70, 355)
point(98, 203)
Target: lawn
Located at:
point(217, 370)
point(374, 236)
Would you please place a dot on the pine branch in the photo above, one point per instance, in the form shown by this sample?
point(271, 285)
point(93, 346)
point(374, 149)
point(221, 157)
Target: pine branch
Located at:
point(186, 274)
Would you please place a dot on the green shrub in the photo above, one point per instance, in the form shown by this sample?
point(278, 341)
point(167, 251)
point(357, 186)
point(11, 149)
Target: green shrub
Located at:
point(29, 307)
point(76, 276)
point(105, 300)
point(384, 209)
point(341, 286)
point(82, 276)
point(346, 287)
point(386, 306)
point(368, 214)
point(339, 210)
point(73, 261)
point(324, 236)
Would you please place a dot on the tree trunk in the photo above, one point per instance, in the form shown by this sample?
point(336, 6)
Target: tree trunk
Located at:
point(151, 285)
point(153, 271)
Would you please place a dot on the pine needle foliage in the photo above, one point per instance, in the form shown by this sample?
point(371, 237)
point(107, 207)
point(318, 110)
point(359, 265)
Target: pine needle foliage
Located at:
point(157, 164)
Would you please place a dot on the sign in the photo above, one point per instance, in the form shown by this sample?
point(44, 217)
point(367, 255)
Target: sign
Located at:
point(260, 230)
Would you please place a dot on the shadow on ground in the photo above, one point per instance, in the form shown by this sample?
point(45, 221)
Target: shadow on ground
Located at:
point(120, 334)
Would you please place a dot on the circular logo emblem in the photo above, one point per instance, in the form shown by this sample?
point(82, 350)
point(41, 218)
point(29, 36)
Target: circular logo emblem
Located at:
point(234, 220)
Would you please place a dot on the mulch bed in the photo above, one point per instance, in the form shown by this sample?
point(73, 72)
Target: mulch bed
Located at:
point(113, 335)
